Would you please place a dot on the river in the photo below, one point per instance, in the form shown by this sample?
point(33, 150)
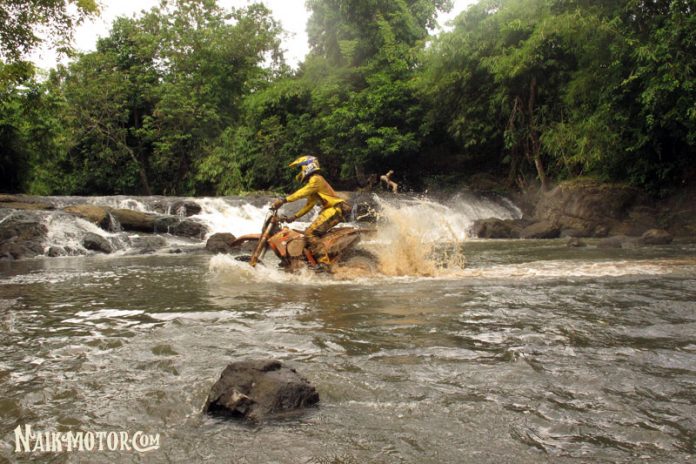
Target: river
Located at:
point(481, 351)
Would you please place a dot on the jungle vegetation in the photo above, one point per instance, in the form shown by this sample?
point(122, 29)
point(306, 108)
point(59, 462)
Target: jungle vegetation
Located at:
point(192, 99)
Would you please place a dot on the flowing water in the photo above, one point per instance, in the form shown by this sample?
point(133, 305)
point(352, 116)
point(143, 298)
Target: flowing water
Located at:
point(478, 351)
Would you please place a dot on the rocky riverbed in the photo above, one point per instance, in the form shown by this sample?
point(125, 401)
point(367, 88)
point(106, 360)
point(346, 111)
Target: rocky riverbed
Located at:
point(618, 215)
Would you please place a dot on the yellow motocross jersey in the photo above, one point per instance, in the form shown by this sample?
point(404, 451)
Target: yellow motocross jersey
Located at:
point(317, 192)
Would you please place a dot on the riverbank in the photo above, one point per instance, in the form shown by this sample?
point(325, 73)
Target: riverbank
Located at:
point(587, 208)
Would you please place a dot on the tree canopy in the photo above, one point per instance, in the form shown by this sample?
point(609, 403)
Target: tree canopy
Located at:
point(22, 21)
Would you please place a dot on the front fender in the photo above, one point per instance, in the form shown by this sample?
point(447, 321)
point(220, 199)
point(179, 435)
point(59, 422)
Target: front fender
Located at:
point(239, 241)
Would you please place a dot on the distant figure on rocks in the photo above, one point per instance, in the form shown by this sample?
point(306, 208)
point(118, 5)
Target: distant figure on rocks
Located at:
point(391, 185)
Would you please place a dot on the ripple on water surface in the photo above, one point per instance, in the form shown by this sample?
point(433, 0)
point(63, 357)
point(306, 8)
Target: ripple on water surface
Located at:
point(550, 359)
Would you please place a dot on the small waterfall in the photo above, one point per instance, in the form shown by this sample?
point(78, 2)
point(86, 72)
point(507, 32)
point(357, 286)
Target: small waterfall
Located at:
point(411, 228)
point(235, 216)
point(67, 236)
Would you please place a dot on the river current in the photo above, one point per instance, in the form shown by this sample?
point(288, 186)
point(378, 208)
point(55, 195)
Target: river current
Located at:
point(481, 351)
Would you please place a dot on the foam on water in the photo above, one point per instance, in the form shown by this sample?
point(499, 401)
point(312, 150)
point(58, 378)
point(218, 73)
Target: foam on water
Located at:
point(232, 271)
point(573, 269)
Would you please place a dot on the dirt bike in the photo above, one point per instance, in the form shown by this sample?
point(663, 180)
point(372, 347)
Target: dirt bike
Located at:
point(295, 253)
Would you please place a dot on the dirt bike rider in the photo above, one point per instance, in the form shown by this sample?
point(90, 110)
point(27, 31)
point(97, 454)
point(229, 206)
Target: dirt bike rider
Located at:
point(317, 191)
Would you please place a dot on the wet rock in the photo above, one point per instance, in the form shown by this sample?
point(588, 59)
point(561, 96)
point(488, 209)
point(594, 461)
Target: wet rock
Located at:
point(543, 229)
point(187, 228)
point(147, 243)
point(259, 389)
point(135, 220)
point(97, 243)
point(153, 223)
point(220, 243)
point(656, 237)
point(496, 228)
point(619, 241)
point(575, 242)
point(21, 236)
point(163, 224)
point(185, 208)
point(24, 202)
point(573, 233)
point(99, 215)
point(612, 242)
point(588, 206)
point(56, 251)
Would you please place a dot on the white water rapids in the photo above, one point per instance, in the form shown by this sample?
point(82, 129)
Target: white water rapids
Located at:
point(424, 220)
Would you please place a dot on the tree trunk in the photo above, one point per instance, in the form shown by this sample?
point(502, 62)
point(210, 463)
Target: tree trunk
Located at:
point(534, 137)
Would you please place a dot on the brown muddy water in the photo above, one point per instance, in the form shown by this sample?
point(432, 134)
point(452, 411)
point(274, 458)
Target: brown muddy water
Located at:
point(532, 352)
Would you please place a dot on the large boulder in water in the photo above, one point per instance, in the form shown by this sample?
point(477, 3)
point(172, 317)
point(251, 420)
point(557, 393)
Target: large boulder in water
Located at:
point(188, 228)
point(259, 389)
point(94, 242)
point(135, 220)
point(220, 243)
point(21, 236)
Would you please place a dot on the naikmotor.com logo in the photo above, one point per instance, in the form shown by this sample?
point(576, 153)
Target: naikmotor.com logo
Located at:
point(29, 441)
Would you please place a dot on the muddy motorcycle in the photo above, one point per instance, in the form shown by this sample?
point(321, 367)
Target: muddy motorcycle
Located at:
point(295, 253)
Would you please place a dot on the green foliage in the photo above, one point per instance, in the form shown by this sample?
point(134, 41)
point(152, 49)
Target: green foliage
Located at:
point(192, 99)
point(570, 88)
point(19, 20)
point(145, 109)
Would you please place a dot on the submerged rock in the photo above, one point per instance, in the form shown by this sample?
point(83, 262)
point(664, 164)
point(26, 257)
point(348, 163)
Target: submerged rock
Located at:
point(147, 243)
point(575, 242)
point(656, 237)
point(259, 389)
point(620, 241)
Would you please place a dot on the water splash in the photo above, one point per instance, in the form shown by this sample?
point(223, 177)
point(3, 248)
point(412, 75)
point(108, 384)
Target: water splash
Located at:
point(231, 271)
point(421, 237)
point(415, 236)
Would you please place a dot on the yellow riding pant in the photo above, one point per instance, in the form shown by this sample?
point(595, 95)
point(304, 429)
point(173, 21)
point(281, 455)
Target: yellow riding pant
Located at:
point(326, 219)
